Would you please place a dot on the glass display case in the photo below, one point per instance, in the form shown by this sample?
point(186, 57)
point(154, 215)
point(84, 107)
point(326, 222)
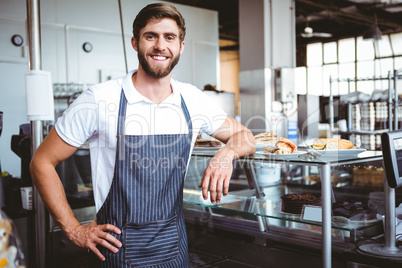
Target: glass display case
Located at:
point(349, 184)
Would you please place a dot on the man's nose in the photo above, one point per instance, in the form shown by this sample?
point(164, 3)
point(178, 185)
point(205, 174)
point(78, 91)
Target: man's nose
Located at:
point(160, 44)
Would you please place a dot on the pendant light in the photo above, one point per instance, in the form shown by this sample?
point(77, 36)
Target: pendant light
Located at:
point(373, 33)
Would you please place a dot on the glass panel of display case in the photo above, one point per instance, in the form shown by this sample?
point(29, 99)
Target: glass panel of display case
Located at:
point(260, 182)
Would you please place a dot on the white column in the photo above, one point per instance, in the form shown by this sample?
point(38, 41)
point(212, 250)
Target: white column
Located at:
point(267, 41)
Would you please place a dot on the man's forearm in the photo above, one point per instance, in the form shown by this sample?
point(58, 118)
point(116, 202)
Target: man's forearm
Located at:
point(241, 144)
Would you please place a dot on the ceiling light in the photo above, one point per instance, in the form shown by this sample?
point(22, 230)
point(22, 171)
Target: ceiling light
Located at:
point(372, 33)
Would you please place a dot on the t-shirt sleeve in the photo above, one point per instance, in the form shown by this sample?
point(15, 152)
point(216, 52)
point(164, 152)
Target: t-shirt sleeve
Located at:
point(79, 122)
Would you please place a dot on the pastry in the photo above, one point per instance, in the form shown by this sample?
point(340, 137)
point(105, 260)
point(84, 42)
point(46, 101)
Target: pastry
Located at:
point(293, 203)
point(283, 146)
point(332, 144)
point(355, 210)
point(266, 138)
point(209, 142)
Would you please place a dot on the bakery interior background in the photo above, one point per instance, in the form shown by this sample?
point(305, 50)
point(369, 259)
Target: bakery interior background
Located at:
point(332, 45)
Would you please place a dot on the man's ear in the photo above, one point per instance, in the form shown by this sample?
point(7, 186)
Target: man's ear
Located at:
point(134, 43)
point(182, 47)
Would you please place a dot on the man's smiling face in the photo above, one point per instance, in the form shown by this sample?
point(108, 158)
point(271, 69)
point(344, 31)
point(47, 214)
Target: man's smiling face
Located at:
point(159, 47)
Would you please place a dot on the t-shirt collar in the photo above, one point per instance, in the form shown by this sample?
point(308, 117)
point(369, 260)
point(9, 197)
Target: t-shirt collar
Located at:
point(133, 96)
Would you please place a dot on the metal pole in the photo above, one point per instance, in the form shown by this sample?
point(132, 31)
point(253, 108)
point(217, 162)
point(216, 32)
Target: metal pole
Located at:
point(122, 36)
point(331, 108)
point(390, 101)
point(326, 215)
point(389, 248)
point(350, 113)
point(396, 115)
point(33, 18)
point(390, 231)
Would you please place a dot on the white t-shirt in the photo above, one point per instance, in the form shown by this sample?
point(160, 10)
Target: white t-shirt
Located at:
point(93, 117)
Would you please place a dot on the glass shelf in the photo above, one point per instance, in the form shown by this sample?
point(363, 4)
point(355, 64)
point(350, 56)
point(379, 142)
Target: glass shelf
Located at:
point(331, 157)
point(270, 177)
point(268, 209)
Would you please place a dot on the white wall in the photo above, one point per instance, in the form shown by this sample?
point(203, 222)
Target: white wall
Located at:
point(66, 25)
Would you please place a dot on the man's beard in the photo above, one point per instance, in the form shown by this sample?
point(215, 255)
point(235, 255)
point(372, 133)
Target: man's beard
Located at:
point(156, 71)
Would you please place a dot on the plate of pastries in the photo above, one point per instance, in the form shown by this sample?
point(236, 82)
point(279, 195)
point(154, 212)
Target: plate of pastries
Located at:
point(336, 146)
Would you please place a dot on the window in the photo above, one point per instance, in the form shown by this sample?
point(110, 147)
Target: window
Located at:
point(330, 53)
point(382, 67)
point(398, 66)
point(396, 41)
point(314, 80)
point(365, 49)
point(349, 58)
point(347, 50)
point(301, 84)
point(398, 63)
point(346, 70)
point(330, 70)
point(365, 69)
point(314, 54)
point(383, 47)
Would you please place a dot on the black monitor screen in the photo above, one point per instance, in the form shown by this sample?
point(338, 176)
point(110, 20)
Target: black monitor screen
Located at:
point(398, 154)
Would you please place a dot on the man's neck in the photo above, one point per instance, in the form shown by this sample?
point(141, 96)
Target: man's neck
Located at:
point(155, 89)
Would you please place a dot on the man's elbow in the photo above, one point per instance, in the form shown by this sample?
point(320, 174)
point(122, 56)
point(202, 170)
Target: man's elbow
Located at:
point(36, 167)
point(33, 167)
point(250, 141)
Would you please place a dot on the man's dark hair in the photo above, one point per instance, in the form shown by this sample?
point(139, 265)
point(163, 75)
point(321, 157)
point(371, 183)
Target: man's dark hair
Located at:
point(158, 11)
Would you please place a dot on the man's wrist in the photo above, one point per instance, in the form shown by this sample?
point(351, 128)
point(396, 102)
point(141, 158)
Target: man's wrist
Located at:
point(230, 152)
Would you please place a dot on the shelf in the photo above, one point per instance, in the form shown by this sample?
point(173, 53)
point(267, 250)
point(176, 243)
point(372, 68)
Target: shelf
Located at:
point(332, 159)
point(362, 132)
point(271, 210)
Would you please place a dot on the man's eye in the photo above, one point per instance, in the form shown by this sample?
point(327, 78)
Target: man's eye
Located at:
point(170, 38)
point(150, 37)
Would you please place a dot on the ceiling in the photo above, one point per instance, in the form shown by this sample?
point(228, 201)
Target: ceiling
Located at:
point(340, 18)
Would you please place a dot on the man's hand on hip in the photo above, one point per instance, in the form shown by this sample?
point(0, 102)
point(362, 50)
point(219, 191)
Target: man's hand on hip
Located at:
point(91, 235)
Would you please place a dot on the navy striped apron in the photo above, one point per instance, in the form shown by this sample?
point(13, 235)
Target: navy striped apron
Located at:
point(146, 198)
